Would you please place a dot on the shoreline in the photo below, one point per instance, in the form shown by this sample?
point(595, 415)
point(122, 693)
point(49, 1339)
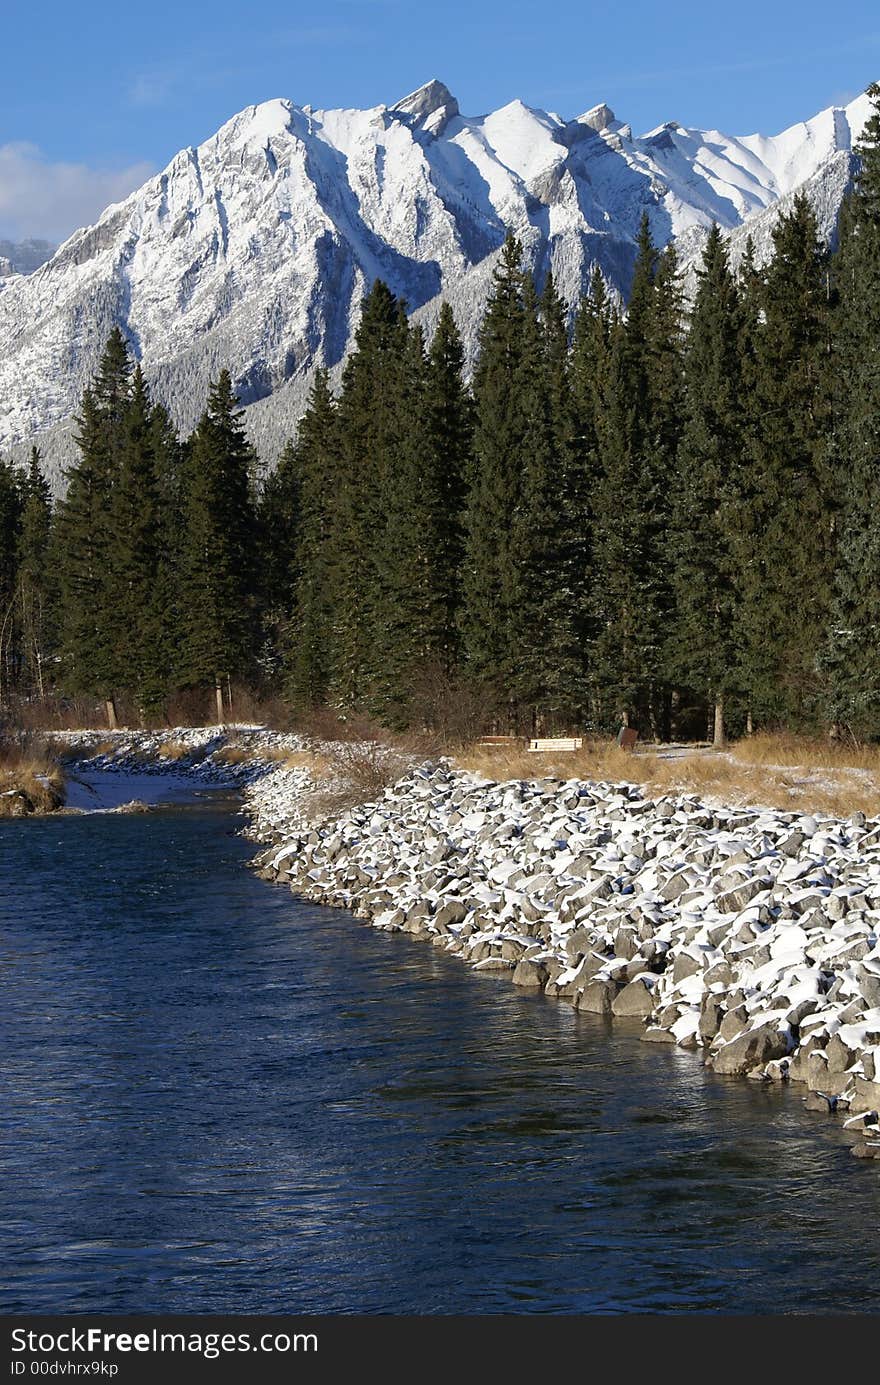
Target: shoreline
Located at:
point(751, 935)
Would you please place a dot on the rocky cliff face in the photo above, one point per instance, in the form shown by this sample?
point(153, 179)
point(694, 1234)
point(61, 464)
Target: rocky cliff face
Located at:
point(253, 251)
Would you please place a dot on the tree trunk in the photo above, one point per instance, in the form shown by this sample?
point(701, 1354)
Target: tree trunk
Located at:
point(719, 738)
point(674, 712)
point(218, 692)
point(749, 726)
point(110, 706)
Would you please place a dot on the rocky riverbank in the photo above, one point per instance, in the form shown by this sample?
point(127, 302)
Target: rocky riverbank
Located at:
point(752, 935)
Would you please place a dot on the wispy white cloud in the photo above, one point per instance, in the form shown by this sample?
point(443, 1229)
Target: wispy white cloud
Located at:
point(39, 197)
point(151, 88)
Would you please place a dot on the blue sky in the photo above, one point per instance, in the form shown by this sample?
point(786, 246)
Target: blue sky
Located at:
point(94, 97)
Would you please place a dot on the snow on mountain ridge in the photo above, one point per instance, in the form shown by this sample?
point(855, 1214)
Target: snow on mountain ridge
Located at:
point(253, 250)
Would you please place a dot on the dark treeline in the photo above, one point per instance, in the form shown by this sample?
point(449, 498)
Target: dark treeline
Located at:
point(665, 517)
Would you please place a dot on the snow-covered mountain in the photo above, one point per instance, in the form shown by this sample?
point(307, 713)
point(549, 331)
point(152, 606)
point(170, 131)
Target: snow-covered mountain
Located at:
point(23, 256)
point(253, 250)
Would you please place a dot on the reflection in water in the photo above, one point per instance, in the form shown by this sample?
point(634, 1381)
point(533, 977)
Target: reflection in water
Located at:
point(218, 1098)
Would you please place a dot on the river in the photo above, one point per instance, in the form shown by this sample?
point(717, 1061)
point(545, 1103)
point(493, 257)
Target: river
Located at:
point(218, 1098)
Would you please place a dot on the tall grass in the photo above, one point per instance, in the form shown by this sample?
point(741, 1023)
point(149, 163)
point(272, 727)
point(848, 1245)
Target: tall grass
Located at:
point(31, 776)
point(788, 772)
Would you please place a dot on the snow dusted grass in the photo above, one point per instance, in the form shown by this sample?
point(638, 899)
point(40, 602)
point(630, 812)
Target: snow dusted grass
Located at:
point(770, 771)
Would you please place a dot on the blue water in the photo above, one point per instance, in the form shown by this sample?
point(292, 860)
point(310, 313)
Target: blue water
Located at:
point(216, 1098)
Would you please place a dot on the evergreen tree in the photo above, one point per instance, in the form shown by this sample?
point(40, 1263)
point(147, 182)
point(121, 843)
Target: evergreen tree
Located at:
point(784, 545)
point(279, 520)
point(33, 617)
point(89, 659)
point(548, 678)
point(447, 442)
point(218, 636)
point(590, 381)
point(10, 527)
point(852, 650)
point(702, 652)
point(168, 468)
point(492, 579)
point(638, 440)
point(135, 616)
point(408, 615)
point(369, 423)
point(309, 651)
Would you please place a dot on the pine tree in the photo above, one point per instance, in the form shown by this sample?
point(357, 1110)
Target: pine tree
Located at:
point(590, 379)
point(491, 578)
point(279, 514)
point(619, 552)
point(408, 616)
point(548, 678)
point(218, 635)
point(852, 650)
point(368, 432)
point(638, 440)
point(168, 462)
point(135, 615)
point(89, 662)
point(447, 442)
point(33, 616)
point(785, 540)
point(309, 649)
point(702, 652)
point(10, 529)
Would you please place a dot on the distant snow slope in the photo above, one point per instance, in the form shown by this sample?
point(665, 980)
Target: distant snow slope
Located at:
point(253, 251)
point(24, 256)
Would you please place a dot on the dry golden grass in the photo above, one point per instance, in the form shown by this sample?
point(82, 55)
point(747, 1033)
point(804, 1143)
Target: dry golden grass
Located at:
point(172, 750)
point(236, 755)
point(806, 752)
point(766, 771)
point(315, 761)
point(31, 777)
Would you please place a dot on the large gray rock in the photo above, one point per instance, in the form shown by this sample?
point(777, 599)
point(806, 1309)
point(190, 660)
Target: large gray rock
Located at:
point(597, 997)
point(866, 1096)
point(751, 1050)
point(711, 1016)
point(635, 999)
point(869, 982)
point(451, 911)
point(531, 975)
point(732, 901)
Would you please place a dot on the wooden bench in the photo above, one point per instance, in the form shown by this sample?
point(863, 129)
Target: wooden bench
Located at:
point(556, 743)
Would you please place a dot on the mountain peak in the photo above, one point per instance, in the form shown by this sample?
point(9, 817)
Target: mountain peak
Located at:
point(598, 118)
point(430, 107)
point(253, 251)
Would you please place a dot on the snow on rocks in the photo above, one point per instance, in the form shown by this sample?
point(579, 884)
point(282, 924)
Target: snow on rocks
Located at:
point(753, 935)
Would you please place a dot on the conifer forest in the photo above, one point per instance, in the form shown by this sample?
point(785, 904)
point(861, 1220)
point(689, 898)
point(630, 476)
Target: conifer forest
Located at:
point(665, 512)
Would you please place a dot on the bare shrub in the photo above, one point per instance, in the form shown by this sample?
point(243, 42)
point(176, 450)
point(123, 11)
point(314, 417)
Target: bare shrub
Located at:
point(454, 712)
point(357, 772)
